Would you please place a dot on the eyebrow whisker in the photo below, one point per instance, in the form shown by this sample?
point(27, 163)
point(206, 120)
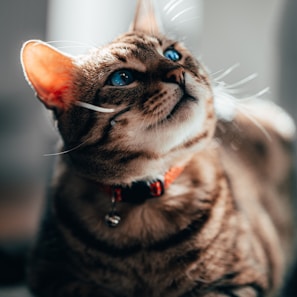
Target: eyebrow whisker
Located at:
point(94, 107)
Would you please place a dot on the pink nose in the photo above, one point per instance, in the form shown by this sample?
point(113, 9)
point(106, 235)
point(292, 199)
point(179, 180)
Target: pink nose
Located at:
point(176, 75)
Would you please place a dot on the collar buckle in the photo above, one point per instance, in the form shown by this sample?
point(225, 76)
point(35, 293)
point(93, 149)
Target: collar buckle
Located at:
point(157, 188)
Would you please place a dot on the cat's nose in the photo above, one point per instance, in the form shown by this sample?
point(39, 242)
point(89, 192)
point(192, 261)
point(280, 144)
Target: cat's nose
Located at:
point(176, 75)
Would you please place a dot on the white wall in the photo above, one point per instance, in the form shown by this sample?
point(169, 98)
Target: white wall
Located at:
point(245, 32)
point(86, 23)
point(221, 32)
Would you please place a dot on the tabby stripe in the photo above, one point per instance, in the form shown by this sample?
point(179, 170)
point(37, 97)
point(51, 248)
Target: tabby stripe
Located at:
point(91, 261)
point(136, 155)
point(267, 254)
point(203, 288)
point(88, 125)
point(184, 235)
point(229, 289)
point(192, 141)
point(195, 140)
point(89, 122)
point(184, 259)
point(119, 156)
point(122, 156)
point(119, 56)
point(107, 129)
point(78, 230)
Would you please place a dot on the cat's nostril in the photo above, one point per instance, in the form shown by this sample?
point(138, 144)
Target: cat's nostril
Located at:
point(176, 76)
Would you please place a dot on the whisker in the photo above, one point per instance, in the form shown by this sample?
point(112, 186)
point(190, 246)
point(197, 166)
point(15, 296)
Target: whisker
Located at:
point(94, 107)
point(174, 5)
point(261, 93)
point(227, 72)
point(66, 151)
point(253, 97)
point(168, 5)
point(182, 12)
point(226, 106)
point(243, 81)
point(234, 91)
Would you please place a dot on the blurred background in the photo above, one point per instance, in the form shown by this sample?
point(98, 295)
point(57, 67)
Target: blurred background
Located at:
point(260, 36)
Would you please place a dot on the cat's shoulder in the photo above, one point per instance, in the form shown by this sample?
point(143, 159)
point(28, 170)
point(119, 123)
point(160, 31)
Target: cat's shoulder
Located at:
point(256, 133)
point(254, 118)
point(269, 116)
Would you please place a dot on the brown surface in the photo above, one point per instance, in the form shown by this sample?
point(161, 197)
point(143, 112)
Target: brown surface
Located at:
point(20, 208)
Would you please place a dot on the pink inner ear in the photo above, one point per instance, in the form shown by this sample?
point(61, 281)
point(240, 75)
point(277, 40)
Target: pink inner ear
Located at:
point(49, 72)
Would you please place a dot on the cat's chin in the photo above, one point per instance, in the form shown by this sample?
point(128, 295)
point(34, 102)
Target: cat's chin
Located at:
point(180, 113)
point(181, 130)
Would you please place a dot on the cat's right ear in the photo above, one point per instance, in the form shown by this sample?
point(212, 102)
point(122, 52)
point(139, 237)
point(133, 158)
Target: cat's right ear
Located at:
point(145, 18)
point(49, 72)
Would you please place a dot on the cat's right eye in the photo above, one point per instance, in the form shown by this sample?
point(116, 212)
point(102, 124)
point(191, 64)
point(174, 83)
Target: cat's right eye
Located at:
point(121, 78)
point(172, 54)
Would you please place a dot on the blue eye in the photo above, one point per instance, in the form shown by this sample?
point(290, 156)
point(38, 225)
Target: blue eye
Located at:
point(172, 55)
point(121, 78)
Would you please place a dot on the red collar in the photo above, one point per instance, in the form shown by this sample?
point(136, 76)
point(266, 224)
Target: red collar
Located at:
point(140, 191)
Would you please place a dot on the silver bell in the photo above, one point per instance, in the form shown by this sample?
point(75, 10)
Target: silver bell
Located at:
point(112, 219)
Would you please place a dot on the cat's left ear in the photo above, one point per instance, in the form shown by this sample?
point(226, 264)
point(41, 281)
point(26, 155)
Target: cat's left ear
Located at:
point(145, 19)
point(49, 72)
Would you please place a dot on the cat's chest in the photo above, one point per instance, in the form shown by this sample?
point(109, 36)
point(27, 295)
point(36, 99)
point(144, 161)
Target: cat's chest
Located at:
point(152, 251)
point(169, 267)
point(146, 272)
point(153, 224)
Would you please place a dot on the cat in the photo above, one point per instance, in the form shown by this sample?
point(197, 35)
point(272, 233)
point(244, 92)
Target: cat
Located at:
point(158, 191)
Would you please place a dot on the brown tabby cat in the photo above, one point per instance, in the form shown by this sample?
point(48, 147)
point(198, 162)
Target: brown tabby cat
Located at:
point(155, 195)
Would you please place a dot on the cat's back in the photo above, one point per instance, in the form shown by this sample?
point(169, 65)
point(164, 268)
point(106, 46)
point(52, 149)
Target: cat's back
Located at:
point(256, 150)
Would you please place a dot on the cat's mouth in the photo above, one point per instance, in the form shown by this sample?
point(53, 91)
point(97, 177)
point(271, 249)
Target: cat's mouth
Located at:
point(171, 116)
point(183, 100)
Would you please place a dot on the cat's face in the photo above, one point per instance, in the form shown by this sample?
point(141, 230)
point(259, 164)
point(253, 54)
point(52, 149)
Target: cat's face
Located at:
point(159, 94)
point(156, 88)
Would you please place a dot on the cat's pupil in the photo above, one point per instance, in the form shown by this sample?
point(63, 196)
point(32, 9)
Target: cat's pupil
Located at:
point(121, 78)
point(172, 54)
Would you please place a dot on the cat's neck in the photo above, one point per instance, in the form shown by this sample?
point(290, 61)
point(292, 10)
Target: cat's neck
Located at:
point(182, 199)
point(143, 168)
point(141, 190)
point(137, 193)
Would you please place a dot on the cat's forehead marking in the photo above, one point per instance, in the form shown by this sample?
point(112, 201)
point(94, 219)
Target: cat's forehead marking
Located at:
point(142, 41)
point(138, 51)
point(122, 55)
point(131, 49)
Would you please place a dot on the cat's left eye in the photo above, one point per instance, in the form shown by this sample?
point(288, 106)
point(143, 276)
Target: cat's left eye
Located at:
point(172, 54)
point(121, 78)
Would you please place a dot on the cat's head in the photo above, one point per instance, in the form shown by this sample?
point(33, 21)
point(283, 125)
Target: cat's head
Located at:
point(158, 100)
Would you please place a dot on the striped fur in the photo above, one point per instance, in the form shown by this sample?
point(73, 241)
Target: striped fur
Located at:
point(223, 228)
